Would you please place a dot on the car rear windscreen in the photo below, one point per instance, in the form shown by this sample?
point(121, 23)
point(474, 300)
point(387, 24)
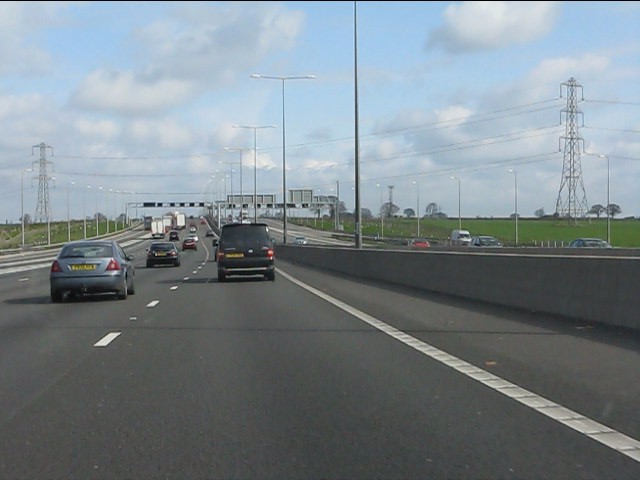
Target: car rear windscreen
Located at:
point(245, 236)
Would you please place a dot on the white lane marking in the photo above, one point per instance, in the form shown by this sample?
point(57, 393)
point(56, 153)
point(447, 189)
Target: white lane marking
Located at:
point(199, 267)
point(601, 433)
point(133, 319)
point(107, 339)
point(175, 287)
point(25, 268)
point(26, 279)
point(153, 304)
point(194, 272)
point(185, 279)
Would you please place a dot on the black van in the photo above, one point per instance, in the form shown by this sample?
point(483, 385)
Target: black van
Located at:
point(245, 249)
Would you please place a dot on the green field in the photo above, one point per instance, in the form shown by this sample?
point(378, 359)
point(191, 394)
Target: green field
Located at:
point(624, 233)
point(37, 234)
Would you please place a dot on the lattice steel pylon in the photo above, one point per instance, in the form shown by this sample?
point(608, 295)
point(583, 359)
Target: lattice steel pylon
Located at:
point(43, 209)
point(572, 198)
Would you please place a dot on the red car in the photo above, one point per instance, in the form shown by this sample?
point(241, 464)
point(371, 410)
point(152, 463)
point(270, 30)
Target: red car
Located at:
point(419, 243)
point(189, 244)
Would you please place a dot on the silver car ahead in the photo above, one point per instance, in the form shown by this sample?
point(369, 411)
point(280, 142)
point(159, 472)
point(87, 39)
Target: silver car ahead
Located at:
point(92, 266)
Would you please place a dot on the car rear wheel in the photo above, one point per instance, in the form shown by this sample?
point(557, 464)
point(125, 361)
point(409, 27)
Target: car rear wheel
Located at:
point(271, 276)
point(123, 292)
point(149, 265)
point(221, 276)
point(132, 289)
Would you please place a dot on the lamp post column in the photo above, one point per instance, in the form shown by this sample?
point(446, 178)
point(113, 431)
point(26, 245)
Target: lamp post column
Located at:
point(459, 195)
point(22, 202)
point(515, 193)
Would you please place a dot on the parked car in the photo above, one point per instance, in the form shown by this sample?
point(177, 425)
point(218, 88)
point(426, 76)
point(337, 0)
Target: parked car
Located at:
point(589, 243)
point(163, 253)
point(484, 241)
point(174, 236)
point(419, 243)
point(460, 237)
point(189, 243)
point(245, 249)
point(86, 267)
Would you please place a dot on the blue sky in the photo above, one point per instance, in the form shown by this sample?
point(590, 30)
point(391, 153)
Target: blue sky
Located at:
point(142, 97)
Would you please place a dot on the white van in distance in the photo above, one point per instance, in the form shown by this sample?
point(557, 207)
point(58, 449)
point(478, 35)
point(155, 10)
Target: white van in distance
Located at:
point(460, 237)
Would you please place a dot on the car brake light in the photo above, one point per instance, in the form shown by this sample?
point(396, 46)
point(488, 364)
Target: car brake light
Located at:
point(55, 267)
point(173, 254)
point(113, 265)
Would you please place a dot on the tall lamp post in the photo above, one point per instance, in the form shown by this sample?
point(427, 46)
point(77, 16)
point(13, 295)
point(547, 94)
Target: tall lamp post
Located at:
point(417, 184)
point(284, 164)
point(459, 217)
point(84, 210)
point(49, 217)
point(381, 212)
point(241, 150)
point(28, 170)
point(68, 214)
point(515, 189)
point(608, 202)
point(255, 128)
point(97, 216)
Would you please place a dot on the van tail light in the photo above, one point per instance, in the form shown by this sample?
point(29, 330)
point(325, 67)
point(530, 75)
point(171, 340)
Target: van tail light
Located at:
point(270, 253)
point(220, 253)
point(55, 267)
point(113, 265)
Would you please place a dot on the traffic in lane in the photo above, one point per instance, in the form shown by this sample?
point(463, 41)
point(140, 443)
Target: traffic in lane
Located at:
point(258, 379)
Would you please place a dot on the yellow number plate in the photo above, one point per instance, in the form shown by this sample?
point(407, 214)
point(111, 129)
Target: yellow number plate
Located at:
point(83, 267)
point(235, 255)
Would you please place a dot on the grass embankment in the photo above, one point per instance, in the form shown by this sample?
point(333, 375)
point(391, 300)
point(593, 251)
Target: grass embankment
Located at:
point(624, 233)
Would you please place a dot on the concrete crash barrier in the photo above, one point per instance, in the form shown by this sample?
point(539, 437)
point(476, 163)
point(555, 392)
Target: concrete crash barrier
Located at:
point(591, 288)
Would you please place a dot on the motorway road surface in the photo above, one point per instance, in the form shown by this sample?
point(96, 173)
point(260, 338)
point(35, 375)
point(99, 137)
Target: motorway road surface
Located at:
point(311, 376)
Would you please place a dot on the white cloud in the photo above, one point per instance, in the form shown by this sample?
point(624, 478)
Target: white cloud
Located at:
point(472, 26)
point(126, 93)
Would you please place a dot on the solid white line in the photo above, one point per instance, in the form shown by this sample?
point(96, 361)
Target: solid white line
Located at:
point(25, 268)
point(601, 433)
point(107, 339)
point(153, 304)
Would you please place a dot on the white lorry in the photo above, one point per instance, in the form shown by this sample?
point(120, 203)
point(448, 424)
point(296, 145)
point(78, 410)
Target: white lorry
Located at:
point(181, 221)
point(157, 228)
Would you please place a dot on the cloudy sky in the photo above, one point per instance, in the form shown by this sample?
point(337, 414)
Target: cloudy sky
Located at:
point(143, 97)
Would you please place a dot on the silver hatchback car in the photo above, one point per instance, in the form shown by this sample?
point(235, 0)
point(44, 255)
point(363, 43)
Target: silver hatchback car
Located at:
point(86, 267)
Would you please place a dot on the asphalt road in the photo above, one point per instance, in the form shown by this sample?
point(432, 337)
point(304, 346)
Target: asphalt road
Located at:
point(311, 376)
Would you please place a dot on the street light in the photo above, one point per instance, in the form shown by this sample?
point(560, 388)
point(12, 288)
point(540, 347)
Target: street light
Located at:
point(28, 170)
point(515, 189)
point(417, 184)
point(84, 209)
point(459, 217)
point(68, 215)
point(49, 217)
point(241, 150)
point(608, 202)
point(284, 165)
point(381, 212)
point(255, 167)
point(97, 216)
